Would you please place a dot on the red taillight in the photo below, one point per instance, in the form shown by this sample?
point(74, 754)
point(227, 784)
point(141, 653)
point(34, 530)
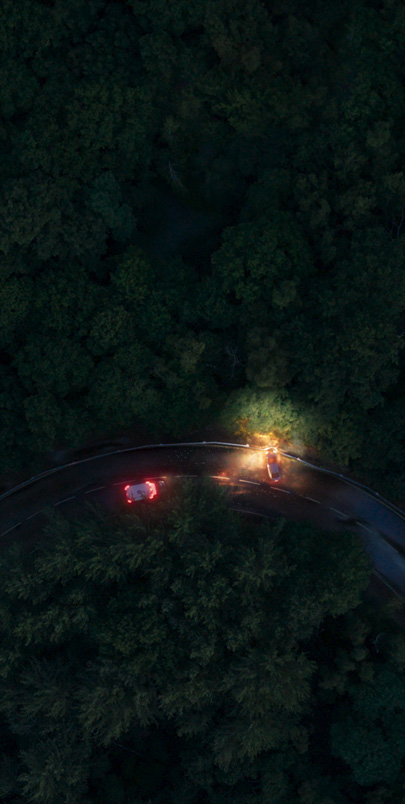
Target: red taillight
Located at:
point(152, 489)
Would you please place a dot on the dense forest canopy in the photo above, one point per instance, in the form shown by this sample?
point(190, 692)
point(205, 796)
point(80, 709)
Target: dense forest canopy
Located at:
point(183, 655)
point(201, 210)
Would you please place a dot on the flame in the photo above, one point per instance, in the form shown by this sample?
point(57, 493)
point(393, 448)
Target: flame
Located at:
point(265, 440)
point(250, 462)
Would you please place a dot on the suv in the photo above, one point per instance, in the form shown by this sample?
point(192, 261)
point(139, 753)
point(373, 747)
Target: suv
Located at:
point(147, 490)
point(273, 466)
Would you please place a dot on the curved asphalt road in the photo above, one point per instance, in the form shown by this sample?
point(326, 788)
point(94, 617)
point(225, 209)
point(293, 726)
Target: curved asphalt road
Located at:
point(305, 493)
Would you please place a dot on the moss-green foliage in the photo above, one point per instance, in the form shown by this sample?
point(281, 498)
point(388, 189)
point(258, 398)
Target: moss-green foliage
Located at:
point(369, 733)
point(271, 277)
point(201, 214)
point(281, 128)
point(176, 653)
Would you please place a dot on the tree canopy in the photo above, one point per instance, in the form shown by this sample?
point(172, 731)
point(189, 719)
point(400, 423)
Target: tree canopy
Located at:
point(179, 652)
point(201, 220)
point(201, 206)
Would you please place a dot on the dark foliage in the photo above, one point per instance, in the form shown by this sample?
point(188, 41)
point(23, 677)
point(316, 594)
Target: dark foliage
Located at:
point(177, 655)
point(201, 216)
point(202, 203)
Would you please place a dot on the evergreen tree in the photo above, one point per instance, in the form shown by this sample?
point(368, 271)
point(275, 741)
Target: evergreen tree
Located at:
point(173, 623)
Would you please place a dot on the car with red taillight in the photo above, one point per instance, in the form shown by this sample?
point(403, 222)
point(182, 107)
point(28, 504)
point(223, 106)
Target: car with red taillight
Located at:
point(144, 490)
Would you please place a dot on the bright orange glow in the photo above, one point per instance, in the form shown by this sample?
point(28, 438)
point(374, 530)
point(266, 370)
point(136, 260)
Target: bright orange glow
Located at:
point(242, 428)
point(249, 462)
point(153, 489)
point(265, 440)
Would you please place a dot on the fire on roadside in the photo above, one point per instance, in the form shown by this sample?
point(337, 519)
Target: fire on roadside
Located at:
point(264, 440)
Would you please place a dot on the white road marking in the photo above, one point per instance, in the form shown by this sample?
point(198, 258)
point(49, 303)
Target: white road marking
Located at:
point(370, 530)
point(336, 511)
point(63, 501)
point(381, 577)
point(97, 489)
point(8, 531)
point(247, 511)
point(312, 499)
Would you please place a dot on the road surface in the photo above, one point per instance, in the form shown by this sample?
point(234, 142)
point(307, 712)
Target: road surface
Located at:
point(305, 493)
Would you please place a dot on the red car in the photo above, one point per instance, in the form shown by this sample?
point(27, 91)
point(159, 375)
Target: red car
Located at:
point(273, 466)
point(147, 490)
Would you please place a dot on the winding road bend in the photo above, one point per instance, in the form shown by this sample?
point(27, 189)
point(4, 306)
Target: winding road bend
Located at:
point(305, 493)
